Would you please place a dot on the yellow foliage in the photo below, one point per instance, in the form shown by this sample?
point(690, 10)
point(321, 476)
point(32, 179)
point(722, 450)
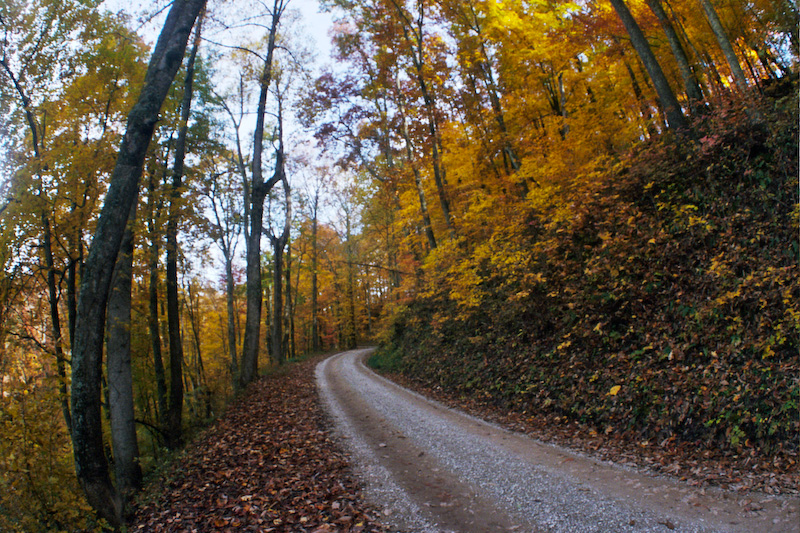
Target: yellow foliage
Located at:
point(38, 487)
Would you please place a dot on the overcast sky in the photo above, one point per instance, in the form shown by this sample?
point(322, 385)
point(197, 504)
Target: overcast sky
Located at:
point(316, 24)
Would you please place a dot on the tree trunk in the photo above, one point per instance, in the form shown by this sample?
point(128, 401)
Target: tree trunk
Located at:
point(174, 417)
point(351, 337)
point(231, 322)
point(423, 202)
point(72, 287)
point(692, 88)
point(485, 68)
point(193, 309)
point(315, 344)
point(562, 106)
point(418, 59)
point(55, 321)
point(278, 244)
point(289, 300)
point(643, 107)
point(724, 44)
point(152, 321)
point(258, 192)
point(128, 474)
point(667, 97)
point(91, 465)
point(277, 301)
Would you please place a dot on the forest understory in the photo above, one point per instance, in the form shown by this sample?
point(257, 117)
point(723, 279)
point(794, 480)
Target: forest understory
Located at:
point(652, 321)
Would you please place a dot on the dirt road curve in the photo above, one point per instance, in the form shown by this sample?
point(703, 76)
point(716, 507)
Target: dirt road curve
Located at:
point(433, 469)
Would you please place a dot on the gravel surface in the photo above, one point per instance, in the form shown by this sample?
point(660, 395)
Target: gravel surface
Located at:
point(430, 469)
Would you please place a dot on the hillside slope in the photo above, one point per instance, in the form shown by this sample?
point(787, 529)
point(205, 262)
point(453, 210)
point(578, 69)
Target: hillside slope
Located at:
point(655, 301)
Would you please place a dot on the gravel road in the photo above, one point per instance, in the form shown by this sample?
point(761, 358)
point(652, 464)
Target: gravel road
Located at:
point(433, 469)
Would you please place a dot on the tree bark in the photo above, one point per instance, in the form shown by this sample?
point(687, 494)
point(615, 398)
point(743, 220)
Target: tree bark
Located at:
point(174, 417)
point(423, 202)
point(315, 344)
point(289, 301)
point(690, 84)
point(258, 192)
point(228, 231)
point(418, 59)
point(278, 244)
point(125, 445)
point(667, 97)
point(231, 323)
point(91, 465)
point(725, 44)
point(152, 317)
point(277, 301)
point(55, 321)
point(351, 336)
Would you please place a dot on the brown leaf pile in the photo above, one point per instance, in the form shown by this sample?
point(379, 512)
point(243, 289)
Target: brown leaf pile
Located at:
point(268, 465)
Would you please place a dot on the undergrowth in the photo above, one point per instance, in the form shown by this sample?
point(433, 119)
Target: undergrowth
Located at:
point(657, 297)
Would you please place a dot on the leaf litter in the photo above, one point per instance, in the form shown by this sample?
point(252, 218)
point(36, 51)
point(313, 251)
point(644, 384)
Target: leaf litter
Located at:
point(269, 464)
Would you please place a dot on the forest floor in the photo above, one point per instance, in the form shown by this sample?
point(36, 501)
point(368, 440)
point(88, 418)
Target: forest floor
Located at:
point(271, 464)
point(268, 464)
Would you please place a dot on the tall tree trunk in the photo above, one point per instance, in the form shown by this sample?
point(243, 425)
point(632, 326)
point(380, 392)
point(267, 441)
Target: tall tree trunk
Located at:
point(91, 465)
point(643, 107)
point(667, 97)
point(258, 192)
point(152, 319)
point(193, 308)
point(690, 84)
point(231, 322)
point(699, 68)
point(277, 301)
point(351, 337)
point(72, 286)
point(315, 344)
point(485, 68)
point(289, 300)
point(725, 44)
point(417, 45)
point(174, 419)
point(227, 238)
point(278, 244)
point(423, 202)
point(562, 105)
point(55, 320)
point(37, 141)
point(127, 471)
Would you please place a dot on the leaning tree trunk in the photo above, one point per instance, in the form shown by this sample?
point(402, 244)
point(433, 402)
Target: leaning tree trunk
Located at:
point(667, 97)
point(690, 84)
point(91, 465)
point(725, 44)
